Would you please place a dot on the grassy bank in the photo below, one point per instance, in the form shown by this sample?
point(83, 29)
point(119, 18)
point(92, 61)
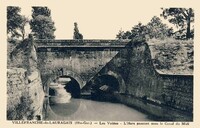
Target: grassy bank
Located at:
point(172, 56)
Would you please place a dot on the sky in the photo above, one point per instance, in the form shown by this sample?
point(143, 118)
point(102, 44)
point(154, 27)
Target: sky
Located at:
point(96, 19)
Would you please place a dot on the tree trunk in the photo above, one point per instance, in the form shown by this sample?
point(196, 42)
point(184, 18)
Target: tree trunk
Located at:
point(188, 34)
point(23, 34)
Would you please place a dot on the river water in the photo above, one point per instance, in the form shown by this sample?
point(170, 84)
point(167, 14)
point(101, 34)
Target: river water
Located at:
point(84, 109)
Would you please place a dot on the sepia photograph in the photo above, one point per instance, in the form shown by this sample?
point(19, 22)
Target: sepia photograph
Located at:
point(100, 63)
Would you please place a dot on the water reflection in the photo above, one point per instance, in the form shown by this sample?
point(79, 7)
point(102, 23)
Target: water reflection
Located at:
point(61, 95)
point(82, 109)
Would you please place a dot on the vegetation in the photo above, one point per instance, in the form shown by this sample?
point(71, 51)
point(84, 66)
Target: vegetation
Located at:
point(16, 23)
point(171, 51)
point(158, 30)
point(41, 23)
point(182, 18)
point(154, 29)
point(172, 56)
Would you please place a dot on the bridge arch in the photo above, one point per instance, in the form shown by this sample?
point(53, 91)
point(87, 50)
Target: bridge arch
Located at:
point(122, 86)
point(113, 79)
point(63, 72)
point(74, 75)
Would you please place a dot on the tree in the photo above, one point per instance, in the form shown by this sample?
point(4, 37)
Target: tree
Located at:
point(157, 29)
point(181, 17)
point(25, 21)
point(154, 29)
point(138, 30)
point(77, 35)
point(41, 23)
point(14, 20)
point(123, 35)
point(120, 34)
point(45, 11)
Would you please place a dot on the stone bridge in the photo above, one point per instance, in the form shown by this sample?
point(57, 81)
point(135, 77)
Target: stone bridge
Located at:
point(120, 69)
point(123, 65)
point(78, 59)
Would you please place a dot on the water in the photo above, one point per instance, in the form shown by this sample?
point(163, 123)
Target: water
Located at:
point(83, 109)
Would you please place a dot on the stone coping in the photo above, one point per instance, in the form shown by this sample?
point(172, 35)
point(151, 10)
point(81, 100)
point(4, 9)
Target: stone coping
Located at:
point(80, 43)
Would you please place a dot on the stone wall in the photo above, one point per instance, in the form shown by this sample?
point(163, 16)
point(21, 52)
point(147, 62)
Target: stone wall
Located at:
point(178, 91)
point(16, 86)
point(142, 81)
point(24, 94)
point(155, 111)
point(24, 86)
point(36, 93)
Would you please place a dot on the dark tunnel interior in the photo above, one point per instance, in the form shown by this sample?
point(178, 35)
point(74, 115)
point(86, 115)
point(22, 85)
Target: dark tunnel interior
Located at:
point(73, 87)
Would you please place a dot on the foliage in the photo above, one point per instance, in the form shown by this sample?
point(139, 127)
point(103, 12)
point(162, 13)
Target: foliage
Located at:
point(138, 30)
point(154, 29)
point(41, 23)
point(120, 35)
point(45, 11)
point(16, 23)
point(182, 18)
point(25, 21)
point(157, 29)
point(77, 34)
point(14, 20)
point(123, 35)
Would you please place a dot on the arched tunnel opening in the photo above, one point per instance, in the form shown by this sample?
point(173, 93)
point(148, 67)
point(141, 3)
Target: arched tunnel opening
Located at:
point(70, 85)
point(104, 88)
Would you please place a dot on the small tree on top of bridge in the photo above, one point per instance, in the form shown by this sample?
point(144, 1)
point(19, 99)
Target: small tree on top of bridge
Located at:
point(77, 35)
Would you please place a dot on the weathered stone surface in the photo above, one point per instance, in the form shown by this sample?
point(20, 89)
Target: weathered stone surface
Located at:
point(36, 93)
point(18, 89)
point(34, 75)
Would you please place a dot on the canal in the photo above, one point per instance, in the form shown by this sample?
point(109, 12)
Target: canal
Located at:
point(65, 102)
point(85, 109)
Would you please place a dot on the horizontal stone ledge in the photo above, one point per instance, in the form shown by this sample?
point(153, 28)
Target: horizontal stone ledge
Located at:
point(84, 41)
